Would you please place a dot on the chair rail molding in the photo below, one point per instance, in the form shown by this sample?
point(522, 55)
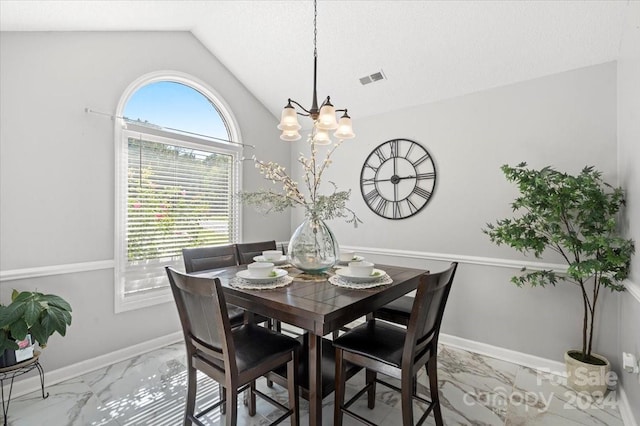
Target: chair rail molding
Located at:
point(71, 268)
point(633, 288)
point(44, 271)
point(449, 257)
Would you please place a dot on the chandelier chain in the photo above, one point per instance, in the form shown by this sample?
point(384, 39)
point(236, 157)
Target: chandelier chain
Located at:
point(315, 28)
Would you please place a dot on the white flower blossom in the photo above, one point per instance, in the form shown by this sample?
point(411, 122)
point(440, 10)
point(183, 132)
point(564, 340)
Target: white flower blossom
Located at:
point(323, 207)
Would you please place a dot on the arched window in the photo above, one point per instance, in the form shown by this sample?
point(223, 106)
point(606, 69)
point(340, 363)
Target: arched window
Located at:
point(176, 179)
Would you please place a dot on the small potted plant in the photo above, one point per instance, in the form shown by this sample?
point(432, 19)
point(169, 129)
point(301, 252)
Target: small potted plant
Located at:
point(574, 216)
point(30, 316)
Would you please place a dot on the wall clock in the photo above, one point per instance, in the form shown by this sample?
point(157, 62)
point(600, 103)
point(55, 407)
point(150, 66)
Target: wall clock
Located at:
point(398, 179)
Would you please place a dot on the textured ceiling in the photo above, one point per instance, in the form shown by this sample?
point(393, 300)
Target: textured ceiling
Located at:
point(428, 50)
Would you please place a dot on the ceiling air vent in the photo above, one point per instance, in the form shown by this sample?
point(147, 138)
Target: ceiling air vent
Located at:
point(376, 76)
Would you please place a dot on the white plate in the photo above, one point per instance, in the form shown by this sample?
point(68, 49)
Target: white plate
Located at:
point(281, 261)
point(346, 274)
point(355, 259)
point(245, 275)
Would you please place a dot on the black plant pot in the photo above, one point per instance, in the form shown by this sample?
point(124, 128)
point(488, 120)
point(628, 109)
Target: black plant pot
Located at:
point(8, 358)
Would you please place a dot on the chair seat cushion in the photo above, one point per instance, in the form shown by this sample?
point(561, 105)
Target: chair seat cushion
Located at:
point(236, 315)
point(328, 369)
point(254, 345)
point(397, 311)
point(377, 340)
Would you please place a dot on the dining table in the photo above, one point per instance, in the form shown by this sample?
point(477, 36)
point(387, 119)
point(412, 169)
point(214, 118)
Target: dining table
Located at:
point(315, 305)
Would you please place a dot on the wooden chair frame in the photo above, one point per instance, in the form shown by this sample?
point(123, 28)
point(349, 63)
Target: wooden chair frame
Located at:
point(245, 252)
point(419, 350)
point(219, 363)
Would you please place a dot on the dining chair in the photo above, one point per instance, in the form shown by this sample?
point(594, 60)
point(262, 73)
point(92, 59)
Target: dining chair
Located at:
point(247, 251)
point(212, 257)
point(397, 352)
point(397, 311)
point(233, 357)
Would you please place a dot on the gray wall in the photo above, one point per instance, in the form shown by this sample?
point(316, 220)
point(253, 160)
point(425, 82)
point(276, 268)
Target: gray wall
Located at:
point(57, 170)
point(629, 159)
point(566, 120)
point(56, 184)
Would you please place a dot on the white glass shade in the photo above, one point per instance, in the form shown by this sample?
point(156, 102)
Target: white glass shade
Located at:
point(289, 120)
point(322, 137)
point(345, 130)
point(327, 118)
point(290, 135)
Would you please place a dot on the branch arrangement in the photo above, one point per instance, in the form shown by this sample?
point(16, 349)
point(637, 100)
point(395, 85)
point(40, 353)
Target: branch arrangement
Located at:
point(317, 206)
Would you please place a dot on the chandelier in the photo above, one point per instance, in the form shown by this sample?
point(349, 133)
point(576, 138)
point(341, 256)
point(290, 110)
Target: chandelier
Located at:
point(324, 118)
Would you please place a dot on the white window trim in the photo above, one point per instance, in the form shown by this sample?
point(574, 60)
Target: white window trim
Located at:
point(121, 133)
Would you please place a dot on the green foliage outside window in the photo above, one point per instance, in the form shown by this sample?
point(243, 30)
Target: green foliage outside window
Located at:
point(177, 197)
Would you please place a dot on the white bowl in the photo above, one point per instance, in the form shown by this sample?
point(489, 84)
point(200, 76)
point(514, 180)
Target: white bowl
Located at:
point(347, 255)
point(361, 269)
point(260, 269)
point(272, 255)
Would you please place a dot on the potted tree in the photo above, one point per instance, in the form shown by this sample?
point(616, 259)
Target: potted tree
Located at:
point(30, 316)
point(574, 216)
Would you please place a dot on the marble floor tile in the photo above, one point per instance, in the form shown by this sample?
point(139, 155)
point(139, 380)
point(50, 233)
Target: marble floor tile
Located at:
point(541, 398)
point(474, 390)
point(71, 403)
point(136, 390)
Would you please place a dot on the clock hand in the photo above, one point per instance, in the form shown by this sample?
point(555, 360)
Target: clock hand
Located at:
point(395, 193)
point(395, 161)
point(392, 179)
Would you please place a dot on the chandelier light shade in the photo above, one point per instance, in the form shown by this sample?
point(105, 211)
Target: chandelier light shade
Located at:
point(327, 118)
point(321, 137)
point(345, 130)
point(324, 118)
point(290, 135)
point(289, 119)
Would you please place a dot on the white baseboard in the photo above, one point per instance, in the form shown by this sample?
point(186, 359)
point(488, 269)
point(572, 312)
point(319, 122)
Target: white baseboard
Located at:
point(32, 384)
point(625, 408)
point(520, 358)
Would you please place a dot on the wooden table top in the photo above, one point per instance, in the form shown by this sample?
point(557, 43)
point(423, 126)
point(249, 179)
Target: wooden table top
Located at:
point(317, 306)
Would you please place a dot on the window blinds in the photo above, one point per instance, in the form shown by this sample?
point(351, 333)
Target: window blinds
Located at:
point(176, 197)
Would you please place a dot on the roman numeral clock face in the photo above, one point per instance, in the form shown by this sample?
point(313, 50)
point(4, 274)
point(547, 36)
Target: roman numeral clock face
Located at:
point(398, 179)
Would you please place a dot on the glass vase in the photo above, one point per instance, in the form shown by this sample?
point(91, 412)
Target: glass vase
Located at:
point(312, 247)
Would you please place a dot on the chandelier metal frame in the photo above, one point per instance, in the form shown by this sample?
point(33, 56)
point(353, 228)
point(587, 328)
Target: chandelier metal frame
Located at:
point(324, 117)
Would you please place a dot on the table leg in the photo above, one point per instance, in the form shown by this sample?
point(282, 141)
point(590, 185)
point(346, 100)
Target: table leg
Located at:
point(315, 380)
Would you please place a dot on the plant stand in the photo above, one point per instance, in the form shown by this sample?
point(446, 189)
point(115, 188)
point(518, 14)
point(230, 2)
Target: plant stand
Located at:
point(13, 371)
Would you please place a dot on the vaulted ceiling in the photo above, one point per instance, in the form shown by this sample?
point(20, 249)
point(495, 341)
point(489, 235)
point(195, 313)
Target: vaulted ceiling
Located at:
point(428, 50)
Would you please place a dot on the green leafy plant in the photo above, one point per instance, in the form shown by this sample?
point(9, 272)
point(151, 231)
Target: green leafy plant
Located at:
point(40, 315)
point(574, 216)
